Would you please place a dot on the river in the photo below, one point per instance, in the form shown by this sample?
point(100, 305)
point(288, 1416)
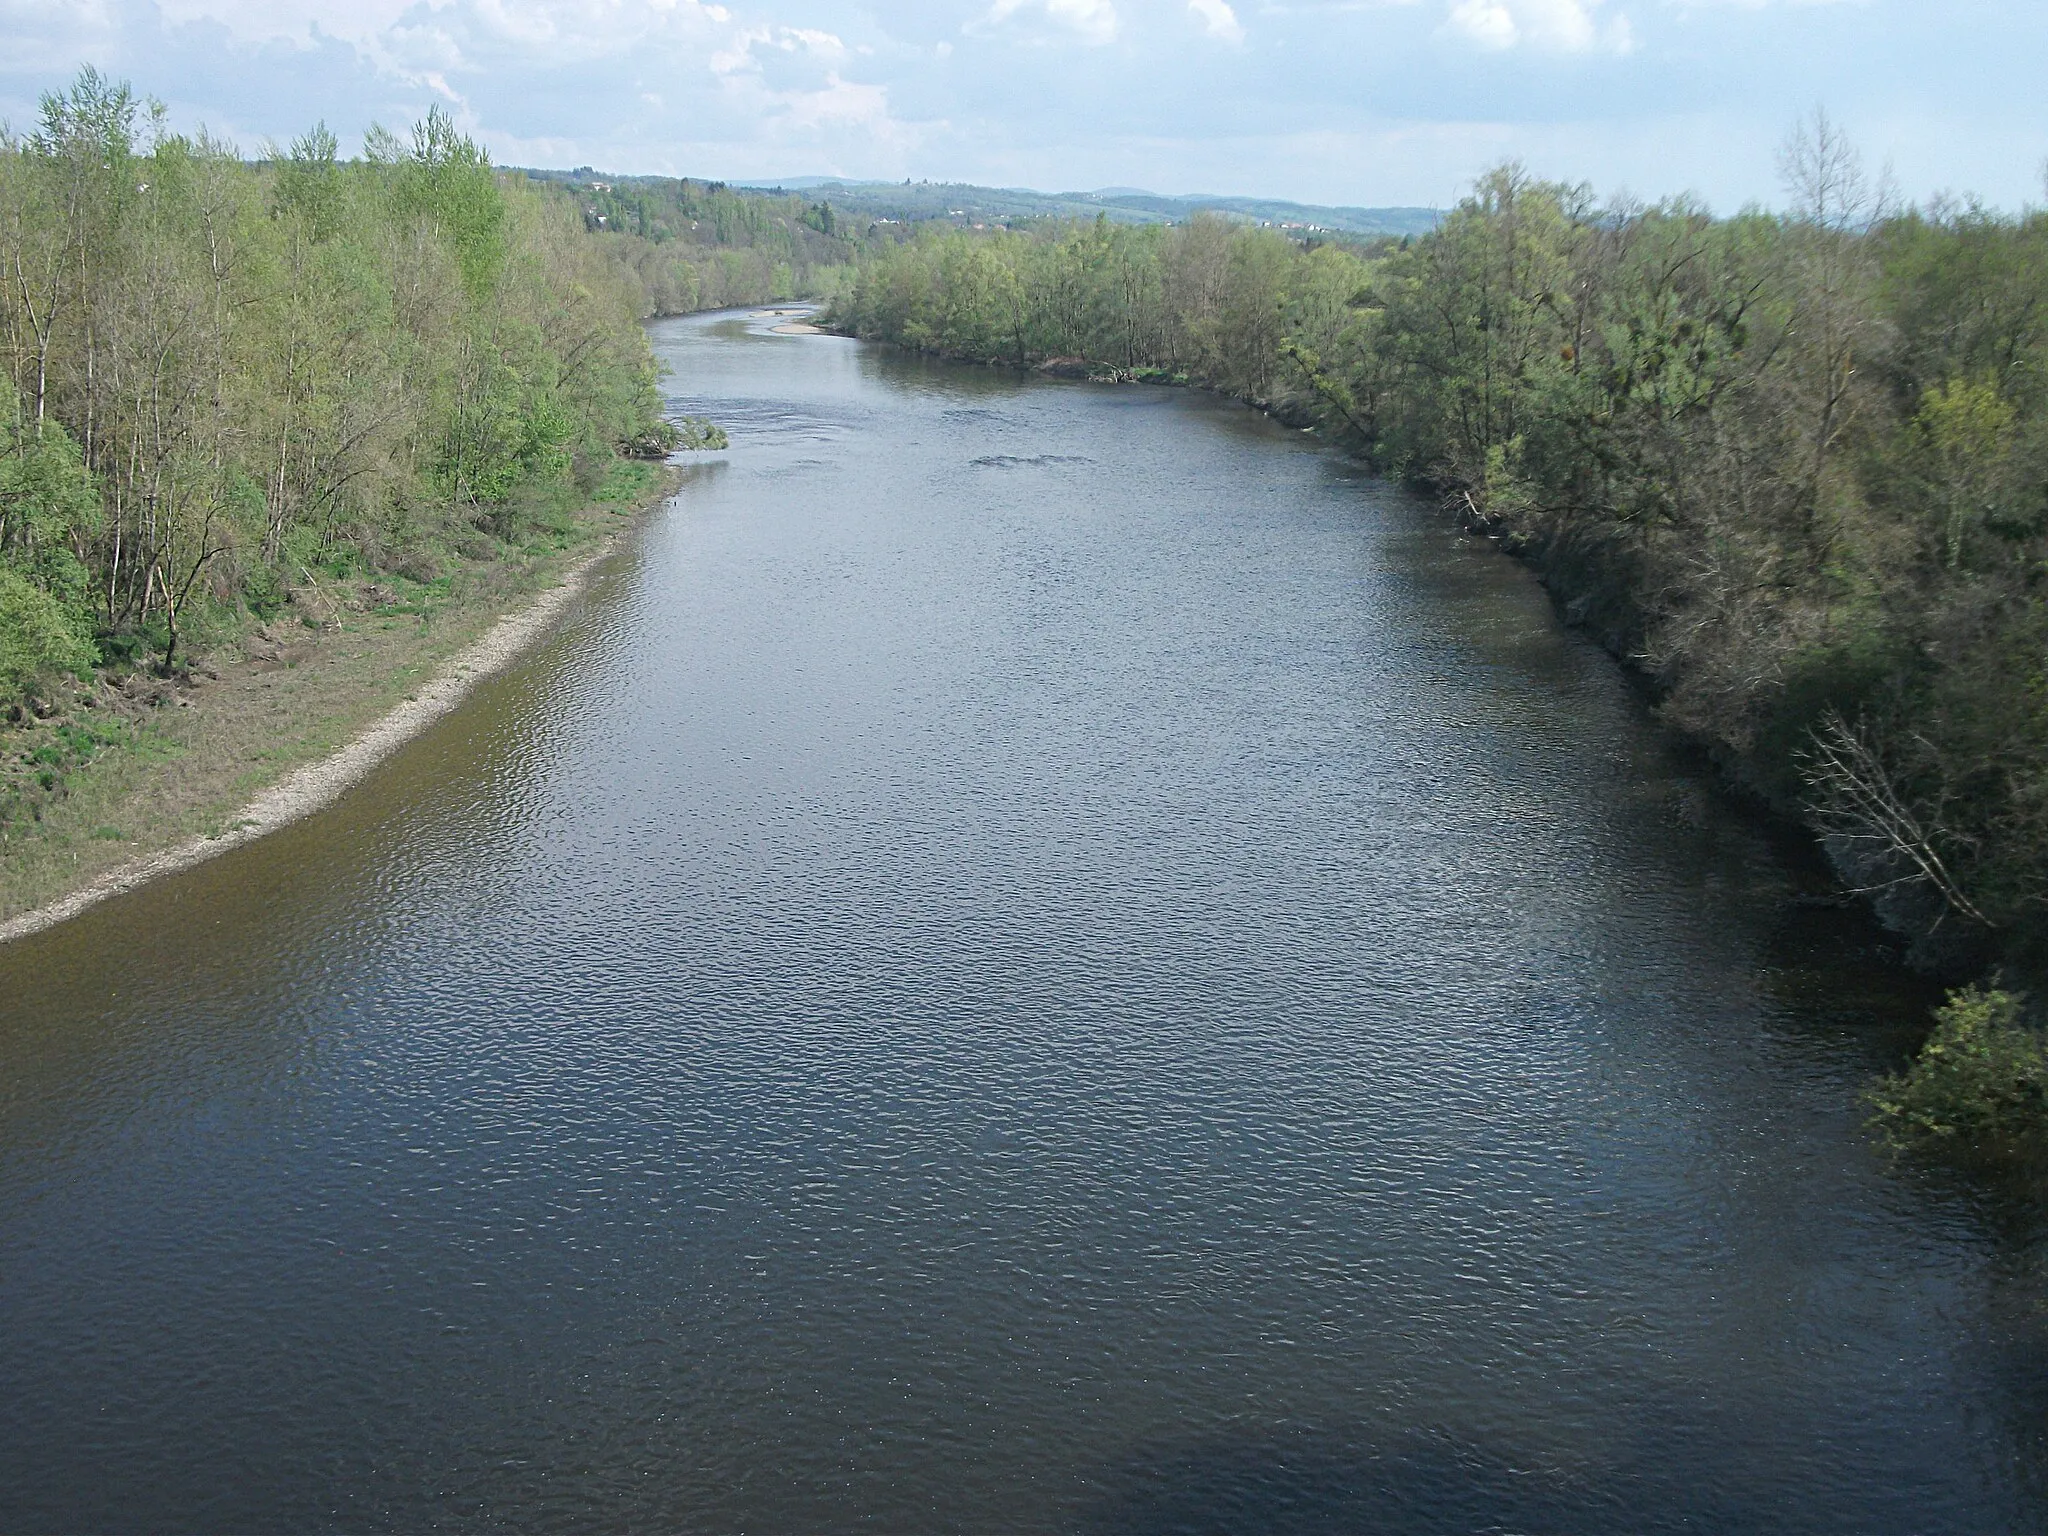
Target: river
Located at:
point(1031, 958)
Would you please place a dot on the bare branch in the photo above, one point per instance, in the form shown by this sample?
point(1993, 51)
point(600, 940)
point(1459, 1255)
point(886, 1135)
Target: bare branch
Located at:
point(1857, 800)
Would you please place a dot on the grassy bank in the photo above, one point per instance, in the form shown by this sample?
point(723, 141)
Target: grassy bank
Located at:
point(135, 764)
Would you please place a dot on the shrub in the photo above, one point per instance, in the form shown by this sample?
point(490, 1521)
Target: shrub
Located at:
point(38, 638)
point(697, 435)
point(657, 441)
point(1982, 1077)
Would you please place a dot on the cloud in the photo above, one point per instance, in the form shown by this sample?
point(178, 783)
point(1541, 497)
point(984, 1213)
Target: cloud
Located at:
point(681, 86)
point(1093, 21)
point(1217, 19)
point(55, 34)
point(787, 112)
point(1559, 26)
point(1360, 101)
point(739, 53)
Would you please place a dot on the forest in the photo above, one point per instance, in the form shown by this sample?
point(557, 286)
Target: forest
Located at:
point(233, 381)
point(1792, 466)
point(222, 375)
point(693, 245)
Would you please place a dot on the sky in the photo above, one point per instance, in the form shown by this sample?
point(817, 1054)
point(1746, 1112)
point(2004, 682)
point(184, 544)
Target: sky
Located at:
point(1361, 102)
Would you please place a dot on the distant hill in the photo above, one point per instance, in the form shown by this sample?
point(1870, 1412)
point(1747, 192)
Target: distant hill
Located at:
point(962, 203)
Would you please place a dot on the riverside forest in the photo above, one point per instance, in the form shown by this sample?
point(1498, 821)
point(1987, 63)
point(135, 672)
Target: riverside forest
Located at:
point(296, 385)
point(225, 376)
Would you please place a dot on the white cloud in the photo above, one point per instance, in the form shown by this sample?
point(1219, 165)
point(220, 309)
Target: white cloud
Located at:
point(685, 83)
point(1485, 22)
point(841, 104)
point(738, 54)
point(1026, 93)
point(575, 28)
point(1093, 21)
point(1559, 26)
point(1217, 19)
point(55, 34)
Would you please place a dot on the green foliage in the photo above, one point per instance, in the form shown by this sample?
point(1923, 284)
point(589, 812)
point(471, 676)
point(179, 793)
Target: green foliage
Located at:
point(39, 639)
point(694, 434)
point(693, 245)
point(625, 483)
point(1961, 431)
point(1981, 1079)
point(444, 177)
point(228, 383)
point(47, 507)
point(311, 183)
point(89, 130)
point(48, 504)
point(657, 441)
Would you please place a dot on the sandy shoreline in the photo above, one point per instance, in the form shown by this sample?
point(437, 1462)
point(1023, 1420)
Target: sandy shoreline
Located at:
point(319, 784)
point(795, 320)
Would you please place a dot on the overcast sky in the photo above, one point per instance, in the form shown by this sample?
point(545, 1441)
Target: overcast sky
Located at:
point(1334, 101)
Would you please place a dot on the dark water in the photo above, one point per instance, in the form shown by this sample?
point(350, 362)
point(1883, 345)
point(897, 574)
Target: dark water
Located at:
point(1035, 958)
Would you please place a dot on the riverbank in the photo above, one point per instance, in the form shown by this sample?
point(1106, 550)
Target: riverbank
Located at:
point(272, 728)
point(1596, 592)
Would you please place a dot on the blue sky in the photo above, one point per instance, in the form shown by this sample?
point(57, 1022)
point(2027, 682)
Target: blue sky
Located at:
point(1337, 101)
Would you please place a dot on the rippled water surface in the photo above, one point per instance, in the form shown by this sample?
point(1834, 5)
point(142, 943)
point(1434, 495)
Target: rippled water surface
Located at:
point(1034, 958)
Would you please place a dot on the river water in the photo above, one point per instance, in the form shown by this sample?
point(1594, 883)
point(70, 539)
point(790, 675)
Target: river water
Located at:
point(1032, 958)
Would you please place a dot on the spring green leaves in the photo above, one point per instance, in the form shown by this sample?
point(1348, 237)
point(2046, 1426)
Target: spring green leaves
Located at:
point(1980, 1082)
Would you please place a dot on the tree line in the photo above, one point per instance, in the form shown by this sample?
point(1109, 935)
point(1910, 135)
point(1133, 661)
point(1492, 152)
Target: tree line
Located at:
point(695, 245)
point(1794, 466)
point(226, 375)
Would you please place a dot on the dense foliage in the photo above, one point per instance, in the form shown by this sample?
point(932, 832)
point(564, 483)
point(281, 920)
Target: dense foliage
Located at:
point(1980, 1082)
point(1794, 466)
point(691, 245)
point(223, 377)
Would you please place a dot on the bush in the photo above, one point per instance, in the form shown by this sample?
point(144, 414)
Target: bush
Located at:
point(263, 590)
point(657, 441)
point(1982, 1077)
point(696, 435)
point(38, 639)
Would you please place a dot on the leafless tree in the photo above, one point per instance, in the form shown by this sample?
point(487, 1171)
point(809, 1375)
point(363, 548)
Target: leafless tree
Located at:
point(1857, 800)
point(1823, 171)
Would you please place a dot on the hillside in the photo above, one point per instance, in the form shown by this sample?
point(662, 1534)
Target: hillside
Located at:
point(963, 203)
